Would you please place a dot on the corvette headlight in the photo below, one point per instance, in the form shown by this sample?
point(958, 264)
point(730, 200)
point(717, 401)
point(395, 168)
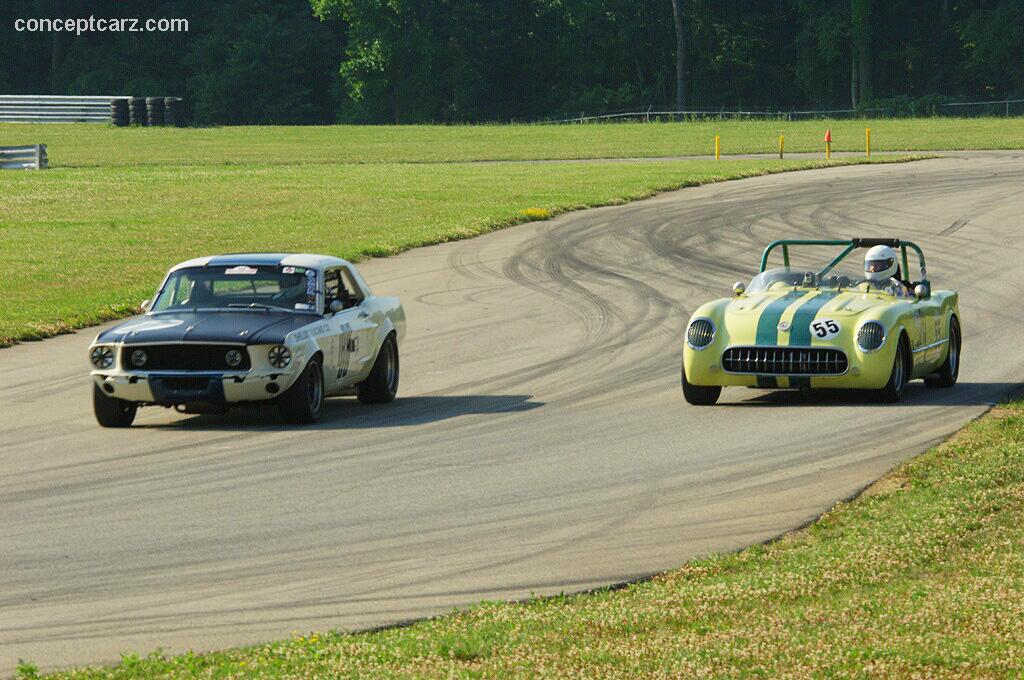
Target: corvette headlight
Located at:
point(102, 357)
point(700, 334)
point(279, 356)
point(870, 336)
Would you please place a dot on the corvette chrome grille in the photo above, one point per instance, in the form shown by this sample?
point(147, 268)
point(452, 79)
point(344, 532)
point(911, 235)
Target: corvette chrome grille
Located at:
point(185, 357)
point(784, 360)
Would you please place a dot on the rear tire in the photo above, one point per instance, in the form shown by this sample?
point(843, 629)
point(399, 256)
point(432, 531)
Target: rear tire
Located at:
point(111, 412)
point(699, 395)
point(303, 402)
point(901, 367)
point(381, 386)
point(948, 373)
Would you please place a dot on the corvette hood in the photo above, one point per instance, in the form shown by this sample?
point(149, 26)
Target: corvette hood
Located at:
point(767, 318)
point(250, 327)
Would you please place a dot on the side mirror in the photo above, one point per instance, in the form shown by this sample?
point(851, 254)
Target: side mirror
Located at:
point(336, 306)
point(922, 291)
point(145, 305)
point(739, 288)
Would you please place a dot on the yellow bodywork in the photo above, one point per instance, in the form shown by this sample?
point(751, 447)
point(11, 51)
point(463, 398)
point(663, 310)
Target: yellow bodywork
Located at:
point(784, 317)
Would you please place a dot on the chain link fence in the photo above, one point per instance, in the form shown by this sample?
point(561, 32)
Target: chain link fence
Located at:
point(899, 107)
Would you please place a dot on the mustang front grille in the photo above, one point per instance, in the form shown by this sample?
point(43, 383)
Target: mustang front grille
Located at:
point(784, 360)
point(185, 357)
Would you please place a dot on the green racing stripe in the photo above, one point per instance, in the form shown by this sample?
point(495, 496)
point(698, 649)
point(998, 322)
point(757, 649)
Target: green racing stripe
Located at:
point(800, 329)
point(768, 328)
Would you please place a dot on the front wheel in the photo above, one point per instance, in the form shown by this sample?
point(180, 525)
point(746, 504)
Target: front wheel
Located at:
point(897, 385)
point(948, 373)
point(111, 412)
point(699, 395)
point(304, 401)
point(381, 386)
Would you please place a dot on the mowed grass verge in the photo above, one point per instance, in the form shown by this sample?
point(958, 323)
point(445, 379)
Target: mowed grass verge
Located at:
point(99, 145)
point(922, 576)
point(83, 245)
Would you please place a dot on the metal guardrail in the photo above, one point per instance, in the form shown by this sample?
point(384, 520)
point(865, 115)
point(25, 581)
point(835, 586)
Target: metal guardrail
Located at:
point(115, 109)
point(56, 108)
point(31, 157)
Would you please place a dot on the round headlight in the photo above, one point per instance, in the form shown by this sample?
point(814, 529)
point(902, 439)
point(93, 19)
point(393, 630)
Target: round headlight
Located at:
point(233, 358)
point(139, 358)
point(700, 334)
point(102, 357)
point(279, 356)
point(871, 336)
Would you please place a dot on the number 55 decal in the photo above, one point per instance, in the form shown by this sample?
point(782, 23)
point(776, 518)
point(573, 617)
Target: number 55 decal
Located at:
point(825, 329)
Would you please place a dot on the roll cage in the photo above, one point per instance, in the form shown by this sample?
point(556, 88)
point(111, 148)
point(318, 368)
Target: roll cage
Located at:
point(851, 245)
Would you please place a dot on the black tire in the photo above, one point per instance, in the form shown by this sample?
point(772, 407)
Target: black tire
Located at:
point(898, 377)
point(948, 373)
point(699, 395)
point(111, 412)
point(381, 386)
point(304, 401)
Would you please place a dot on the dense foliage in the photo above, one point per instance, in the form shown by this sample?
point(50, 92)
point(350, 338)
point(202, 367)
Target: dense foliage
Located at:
point(275, 61)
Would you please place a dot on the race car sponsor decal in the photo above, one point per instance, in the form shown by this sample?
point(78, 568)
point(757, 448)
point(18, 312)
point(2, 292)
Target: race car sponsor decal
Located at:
point(242, 270)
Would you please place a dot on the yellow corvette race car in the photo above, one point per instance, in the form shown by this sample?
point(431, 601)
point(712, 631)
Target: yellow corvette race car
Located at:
point(814, 327)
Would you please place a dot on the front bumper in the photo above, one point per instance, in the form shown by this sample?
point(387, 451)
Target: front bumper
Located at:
point(169, 388)
point(864, 371)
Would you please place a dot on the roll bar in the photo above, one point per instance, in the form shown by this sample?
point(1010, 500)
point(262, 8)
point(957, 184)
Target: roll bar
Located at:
point(851, 245)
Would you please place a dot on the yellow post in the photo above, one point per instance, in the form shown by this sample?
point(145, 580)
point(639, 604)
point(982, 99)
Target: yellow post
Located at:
point(867, 142)
point(828, 151)
point(782, 144)
point(718, 147)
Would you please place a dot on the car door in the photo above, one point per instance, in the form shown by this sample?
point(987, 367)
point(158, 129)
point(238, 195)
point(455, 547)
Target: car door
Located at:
point(935, 331)
point(338, 350)
point(364, 326)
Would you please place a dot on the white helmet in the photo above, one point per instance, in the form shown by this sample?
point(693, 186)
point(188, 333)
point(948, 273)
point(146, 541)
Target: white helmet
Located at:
point(880, 264)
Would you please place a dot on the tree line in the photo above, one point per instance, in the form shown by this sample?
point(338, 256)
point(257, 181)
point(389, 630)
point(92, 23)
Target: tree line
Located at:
point(405, 61)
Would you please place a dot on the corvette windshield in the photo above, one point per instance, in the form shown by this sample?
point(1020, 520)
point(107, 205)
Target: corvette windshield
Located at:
point(784, 278)
point(239, 286)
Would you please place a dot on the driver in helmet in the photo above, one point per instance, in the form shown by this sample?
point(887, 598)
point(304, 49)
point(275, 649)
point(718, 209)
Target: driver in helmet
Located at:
point(882, 270)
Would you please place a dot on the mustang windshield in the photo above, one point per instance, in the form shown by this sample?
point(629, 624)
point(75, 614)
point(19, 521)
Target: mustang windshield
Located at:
point(287, 288)
point(783, 278)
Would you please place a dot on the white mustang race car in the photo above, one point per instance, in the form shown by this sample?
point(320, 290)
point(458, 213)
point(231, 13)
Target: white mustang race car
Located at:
point(230, 329)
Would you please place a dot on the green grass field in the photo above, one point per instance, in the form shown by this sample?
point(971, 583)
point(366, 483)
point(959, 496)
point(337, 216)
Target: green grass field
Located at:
point(922, 577)
point(97, 145)
point(88, 244)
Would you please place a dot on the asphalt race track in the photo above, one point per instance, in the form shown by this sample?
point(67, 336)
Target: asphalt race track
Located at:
point(540, 442)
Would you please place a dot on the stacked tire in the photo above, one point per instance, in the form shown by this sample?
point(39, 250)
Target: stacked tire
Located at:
point(154, 111)
point(137, 111)
point(119, 114)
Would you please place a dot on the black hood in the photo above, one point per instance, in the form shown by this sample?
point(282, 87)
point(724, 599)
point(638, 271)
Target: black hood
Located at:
point(265, 327)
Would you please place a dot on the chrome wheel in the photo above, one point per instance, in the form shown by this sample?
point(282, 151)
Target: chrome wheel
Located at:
point(390, 368)
point(898, 371)
point(954, 351)
point(315, 388)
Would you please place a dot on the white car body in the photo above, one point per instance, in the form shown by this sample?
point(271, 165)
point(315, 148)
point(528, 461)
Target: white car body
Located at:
point(345, 341)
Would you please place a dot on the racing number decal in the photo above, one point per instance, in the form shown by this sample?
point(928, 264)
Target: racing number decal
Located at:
point(346, 345)
point(825, 329)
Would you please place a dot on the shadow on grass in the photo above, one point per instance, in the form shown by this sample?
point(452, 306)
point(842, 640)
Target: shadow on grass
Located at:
point(349, 414)
point(917, 394)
